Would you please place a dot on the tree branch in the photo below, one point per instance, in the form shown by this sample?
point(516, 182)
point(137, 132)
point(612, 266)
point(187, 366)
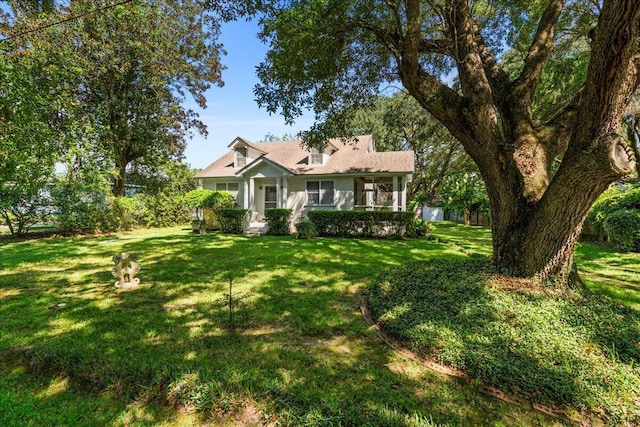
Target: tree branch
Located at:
point(557, 129)
point(498, 78)
point(444, 103)
point(614, 71)
point(540, 49)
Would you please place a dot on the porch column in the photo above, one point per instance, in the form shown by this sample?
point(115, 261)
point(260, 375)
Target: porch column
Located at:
point(395, 193)
point(285, 192)
point(252, 189)
point(403, 189)
point(278, 193)
point(245, 201)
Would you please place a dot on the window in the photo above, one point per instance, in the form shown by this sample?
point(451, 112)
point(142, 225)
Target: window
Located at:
point(319, 192)
point(315, 156)
point(241, 157)
point(231, 187)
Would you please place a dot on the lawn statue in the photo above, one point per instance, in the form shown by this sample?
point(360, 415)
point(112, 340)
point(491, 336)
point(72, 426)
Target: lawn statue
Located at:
point(125, 270)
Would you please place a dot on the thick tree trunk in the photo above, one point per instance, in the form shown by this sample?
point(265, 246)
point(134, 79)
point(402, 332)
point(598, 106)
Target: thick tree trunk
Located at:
point(537, 237)
point(119, 180)
point(536, 217)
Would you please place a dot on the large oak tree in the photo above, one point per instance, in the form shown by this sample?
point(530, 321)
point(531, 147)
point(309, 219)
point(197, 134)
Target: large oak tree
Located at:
point(335, 56)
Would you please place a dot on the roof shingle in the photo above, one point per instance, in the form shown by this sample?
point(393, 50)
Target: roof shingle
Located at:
point(349, 157)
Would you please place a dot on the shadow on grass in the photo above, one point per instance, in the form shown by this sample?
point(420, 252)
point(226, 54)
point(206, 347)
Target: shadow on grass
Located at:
point(581, 351)
point(303, 355)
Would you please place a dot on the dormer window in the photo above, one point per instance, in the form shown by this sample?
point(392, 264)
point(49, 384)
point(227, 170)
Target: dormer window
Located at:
point(316, 157)
point(241, 157)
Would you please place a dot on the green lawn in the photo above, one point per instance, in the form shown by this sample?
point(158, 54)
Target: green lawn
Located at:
point(603, 269)
point(76, 351)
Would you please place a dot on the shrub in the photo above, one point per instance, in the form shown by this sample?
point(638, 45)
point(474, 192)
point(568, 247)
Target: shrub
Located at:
point(209, 199)
point(609, 202)
point(419, 228)
point(278, 221)
point(361, 223)
point(623, 229)
point(120, 214)
point(305, 230)
point(231, 220)
point(163, 210)
point(213, 200)
point(196, 198)
point(80, 209)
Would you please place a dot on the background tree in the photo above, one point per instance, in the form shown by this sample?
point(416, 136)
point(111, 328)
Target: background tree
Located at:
point(336, 56)
point(465, 192)
point(399, 123)
point(269, 137)
point(137, 62)
point(34, 110)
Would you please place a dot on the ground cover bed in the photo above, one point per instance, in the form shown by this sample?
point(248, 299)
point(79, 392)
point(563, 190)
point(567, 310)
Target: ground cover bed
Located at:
point(74, 350)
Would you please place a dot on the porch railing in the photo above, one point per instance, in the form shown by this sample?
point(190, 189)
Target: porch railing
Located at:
point(246, 221)
point(372, 207)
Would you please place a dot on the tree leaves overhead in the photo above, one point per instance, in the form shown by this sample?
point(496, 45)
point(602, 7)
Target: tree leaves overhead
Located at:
point(335, 57)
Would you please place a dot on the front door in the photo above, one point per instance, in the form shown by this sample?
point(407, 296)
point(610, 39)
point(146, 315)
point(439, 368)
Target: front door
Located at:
point(270, 197)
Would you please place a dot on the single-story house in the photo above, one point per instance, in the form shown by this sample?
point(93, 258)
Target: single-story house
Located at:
point(344, 175)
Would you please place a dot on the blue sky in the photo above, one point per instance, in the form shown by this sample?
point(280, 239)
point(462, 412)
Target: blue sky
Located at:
point(232, 110)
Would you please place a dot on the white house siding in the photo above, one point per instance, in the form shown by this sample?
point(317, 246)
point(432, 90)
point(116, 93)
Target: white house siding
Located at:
point(264, 171)
point(343, 196)
point(210, 184)
point(432, 213)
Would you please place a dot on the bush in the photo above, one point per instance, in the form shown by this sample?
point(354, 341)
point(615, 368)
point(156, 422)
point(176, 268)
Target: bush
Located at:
point(80, 209)
point(213, 200)
point(121, 214)
point(623, 229)
point(419, 228)
point(163, 210)
point(305, 230)
point(231, 220)
point(209, 199)
point(361, 223)
point(278, 221)
point(610, 201)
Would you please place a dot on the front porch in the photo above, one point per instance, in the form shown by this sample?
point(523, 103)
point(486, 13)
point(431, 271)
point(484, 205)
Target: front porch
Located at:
point(302, 194)
point(265, 193)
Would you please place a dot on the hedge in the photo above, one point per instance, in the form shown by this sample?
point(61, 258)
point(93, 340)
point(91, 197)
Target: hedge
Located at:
point(231, 220)
point(361, 223)
point(611, 201)
point(278, 221)
point(623, 229)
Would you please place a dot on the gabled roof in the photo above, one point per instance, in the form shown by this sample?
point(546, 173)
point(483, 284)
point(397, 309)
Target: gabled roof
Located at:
point(259, 161)
point(293, 156)
point(241, 141)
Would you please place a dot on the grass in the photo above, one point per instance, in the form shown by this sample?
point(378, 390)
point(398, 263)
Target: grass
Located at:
point(604, 270)
point(76, 351)
point(579, 353)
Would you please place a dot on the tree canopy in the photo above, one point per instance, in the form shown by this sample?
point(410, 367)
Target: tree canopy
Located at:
point(132, 68)
point(490, 73)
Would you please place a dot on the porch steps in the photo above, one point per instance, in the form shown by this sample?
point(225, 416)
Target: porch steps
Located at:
point(256, 229)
